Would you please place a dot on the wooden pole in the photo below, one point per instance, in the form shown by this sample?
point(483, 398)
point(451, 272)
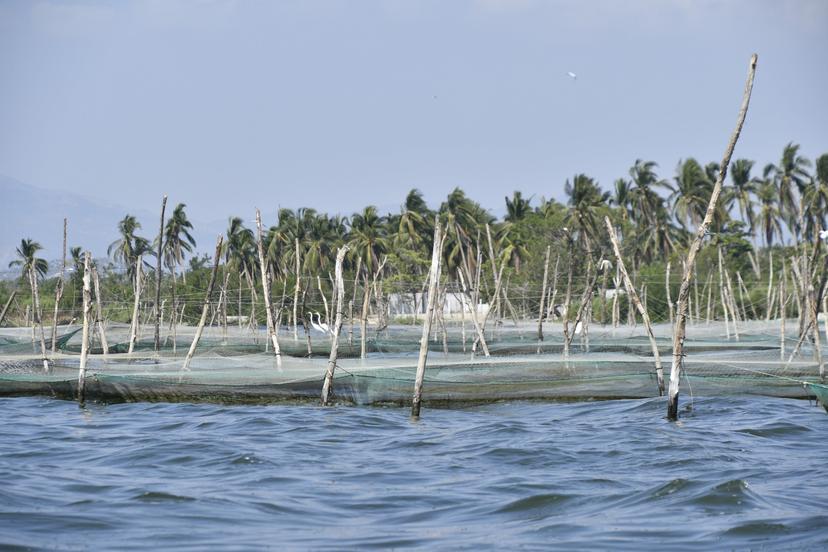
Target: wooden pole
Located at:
point(568, 295)
point(7, 305)
point(206, 307)
point(296, 296)
point(340, 297)
point(631, 293)
point(101, 332)
point(543, 296)
point(695, 246)
point(38, 319)
point(667, 290)
point(87, 318)
point(722, 292)
point(158, 275)
point(434, 276)
point(59, 290)
point(271, 324)
point(770, 285)
point(133, 330)
point(363, 325)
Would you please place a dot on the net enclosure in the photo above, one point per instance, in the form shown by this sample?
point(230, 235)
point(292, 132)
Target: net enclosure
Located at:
point(234, 365)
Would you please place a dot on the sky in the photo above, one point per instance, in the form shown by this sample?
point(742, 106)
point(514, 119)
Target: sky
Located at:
point(230, 105)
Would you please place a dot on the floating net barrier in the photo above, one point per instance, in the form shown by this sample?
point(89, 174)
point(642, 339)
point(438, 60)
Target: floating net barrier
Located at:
point(232, 367)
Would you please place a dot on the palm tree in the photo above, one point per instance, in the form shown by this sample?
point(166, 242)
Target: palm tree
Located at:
point(643, 193)
point(791, 177)
point(240, 256)
point(517, 207)
point(769, 212)
point(33, 268)
point(414, 225)
point(587, 203)
point(740, 192)
point(129, 248)
point(368, 236)
point(177, 241)
point(691, 194)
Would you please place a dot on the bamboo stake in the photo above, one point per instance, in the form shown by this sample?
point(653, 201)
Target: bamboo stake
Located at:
point(59, 290)
point(133, 329)
point(206, 307)
point(568, 296)
point(101, 331)
point(667, 289)
point(158, 275)
point(340, 296)
point(324, 299)
point(363, 327)
point(631, 293)
point(353, 300)
point(477, 328)
point(87, 317)
point(6, 306)
point(782, 305)
point(743, 287)
point(434, 276)
point(543, 296)
point(271, 324)
point(681, 315)
point(296, 296)
point(37, 317)
point(770, 285)
point(709, 297)
point(722, 295)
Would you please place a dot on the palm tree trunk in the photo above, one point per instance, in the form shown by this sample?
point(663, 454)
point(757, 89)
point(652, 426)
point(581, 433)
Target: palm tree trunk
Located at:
point(366, 297)
point(543, 296)
point(158, 278)
point(271, 325)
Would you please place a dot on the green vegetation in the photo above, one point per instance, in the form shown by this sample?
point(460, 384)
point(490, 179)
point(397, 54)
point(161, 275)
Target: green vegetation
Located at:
point(766, 211)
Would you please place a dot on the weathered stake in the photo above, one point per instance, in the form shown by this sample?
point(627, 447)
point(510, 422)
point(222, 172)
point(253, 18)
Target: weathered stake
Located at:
point(681, 307)
point(87, 319)
point(158, 278)
point(434, 277)
point(631, 293)
point(59, 290)
point(271, 323)
point(205, 309)
point(340, 297)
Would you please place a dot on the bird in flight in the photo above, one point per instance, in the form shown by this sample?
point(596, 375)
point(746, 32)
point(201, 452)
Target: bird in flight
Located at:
point(573, 75)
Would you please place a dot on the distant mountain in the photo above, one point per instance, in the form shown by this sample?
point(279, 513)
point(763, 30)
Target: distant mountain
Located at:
point(30, 212)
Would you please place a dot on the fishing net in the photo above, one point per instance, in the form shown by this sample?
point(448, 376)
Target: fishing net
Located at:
point(234, 365)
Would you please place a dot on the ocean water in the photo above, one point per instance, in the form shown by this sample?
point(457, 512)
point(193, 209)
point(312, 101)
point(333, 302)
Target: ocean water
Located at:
point(734, 473)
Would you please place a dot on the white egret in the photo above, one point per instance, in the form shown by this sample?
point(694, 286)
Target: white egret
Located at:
point(313, 324)
point(324, 327)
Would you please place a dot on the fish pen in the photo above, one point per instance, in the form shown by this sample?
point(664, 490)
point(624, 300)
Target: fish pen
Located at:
point(233, 366)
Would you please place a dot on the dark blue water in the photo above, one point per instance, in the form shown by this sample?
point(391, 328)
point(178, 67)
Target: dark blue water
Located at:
point(733, 474)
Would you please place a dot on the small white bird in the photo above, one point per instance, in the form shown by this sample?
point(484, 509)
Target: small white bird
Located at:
point(823, 234)
point(313, 324)
point(579, 328)
point(573, 75)
point(325, 328)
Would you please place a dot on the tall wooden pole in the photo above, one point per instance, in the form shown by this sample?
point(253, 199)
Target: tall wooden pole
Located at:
point(543, 295)
point(271, 323)
point(206, 307)
point(133, 330)
point(631, 293)
point(434, 277)
point(340, 297)
point(296, 296)
point(681, 307)
point(101, 332)
point(7, 305)
point(59, 290)
point(158, 277)
point(87, 320)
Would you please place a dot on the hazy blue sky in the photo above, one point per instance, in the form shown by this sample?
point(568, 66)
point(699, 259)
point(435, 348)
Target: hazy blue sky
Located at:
point(227, 105)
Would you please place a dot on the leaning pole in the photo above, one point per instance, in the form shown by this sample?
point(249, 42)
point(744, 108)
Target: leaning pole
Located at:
point(681, 304)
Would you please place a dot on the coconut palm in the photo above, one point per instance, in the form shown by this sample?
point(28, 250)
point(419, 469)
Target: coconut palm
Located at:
point(791, 177)
point(769, 213)
point(691, 193)
point(414, 225)
point(644, 196)
point(517, 207)
point(743, 186)
point(33, 268)
point(129, 247)
point(587, 204)
point(177, 241)
point(368, 236)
